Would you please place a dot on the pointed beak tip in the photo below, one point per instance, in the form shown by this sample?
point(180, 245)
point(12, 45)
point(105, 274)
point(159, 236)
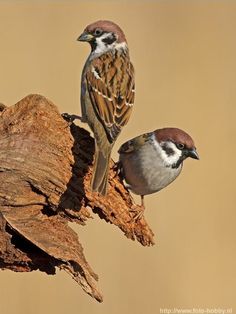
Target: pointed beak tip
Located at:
point(85, 37)
point(79, 38)
point(193, 154)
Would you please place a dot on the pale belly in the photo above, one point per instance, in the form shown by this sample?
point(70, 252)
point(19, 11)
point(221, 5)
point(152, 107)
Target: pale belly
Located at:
point(144, 171)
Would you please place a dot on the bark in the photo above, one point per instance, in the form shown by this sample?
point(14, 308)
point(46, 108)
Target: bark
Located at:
point(45, 170)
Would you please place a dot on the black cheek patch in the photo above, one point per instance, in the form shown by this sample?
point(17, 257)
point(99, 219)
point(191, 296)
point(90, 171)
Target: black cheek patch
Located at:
point(179, 162)
point(109, 39)
point(169, 151)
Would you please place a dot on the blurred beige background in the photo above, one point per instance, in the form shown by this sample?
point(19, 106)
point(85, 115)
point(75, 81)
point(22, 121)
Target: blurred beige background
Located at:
point(184, 54)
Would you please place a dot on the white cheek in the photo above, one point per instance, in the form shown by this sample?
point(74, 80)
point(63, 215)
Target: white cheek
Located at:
point(172, 159)
point(119, 46)
point(101, 47)
point(168, 160)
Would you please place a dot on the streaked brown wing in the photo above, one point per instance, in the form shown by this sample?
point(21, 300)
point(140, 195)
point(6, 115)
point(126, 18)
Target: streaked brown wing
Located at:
point(135, 143)
point(111, 90)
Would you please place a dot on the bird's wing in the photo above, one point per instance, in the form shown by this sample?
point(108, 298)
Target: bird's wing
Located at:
point(134, 144)
point(110, 83)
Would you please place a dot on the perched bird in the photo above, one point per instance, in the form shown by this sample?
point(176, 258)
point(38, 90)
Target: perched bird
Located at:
point(107, 92)
point(153, 160)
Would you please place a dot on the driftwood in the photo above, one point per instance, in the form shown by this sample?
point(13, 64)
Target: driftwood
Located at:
point(45, 170)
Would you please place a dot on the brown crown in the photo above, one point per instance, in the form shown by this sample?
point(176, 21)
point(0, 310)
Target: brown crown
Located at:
point(175, 135)
point(107, 26)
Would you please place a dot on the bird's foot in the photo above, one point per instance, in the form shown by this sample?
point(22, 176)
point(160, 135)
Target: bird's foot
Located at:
point(117, 169)
point(138, 211)
point(70, 118)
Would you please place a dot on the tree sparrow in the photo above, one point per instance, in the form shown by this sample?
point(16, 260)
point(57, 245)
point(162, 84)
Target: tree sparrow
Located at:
point(107, 92)
point(153, 160)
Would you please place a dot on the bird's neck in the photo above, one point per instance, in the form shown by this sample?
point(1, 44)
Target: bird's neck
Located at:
point(101, 48)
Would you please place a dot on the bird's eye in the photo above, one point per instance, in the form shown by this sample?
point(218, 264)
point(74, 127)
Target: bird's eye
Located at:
point(97, 32)
point(180, 146)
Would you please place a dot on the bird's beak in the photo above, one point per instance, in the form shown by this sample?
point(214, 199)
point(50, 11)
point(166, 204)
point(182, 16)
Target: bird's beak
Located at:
point(85, 37)
point(193, 154)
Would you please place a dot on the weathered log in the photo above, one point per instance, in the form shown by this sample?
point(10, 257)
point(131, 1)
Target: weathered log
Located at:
point(45, 170)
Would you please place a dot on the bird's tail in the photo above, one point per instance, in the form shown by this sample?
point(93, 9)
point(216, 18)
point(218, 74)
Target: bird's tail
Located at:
point(100, 171)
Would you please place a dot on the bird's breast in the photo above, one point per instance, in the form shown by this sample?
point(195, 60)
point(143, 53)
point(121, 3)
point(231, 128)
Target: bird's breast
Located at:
point(145, 172)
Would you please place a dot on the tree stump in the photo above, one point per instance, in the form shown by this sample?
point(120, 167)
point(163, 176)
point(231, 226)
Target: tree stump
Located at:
point(45, 171)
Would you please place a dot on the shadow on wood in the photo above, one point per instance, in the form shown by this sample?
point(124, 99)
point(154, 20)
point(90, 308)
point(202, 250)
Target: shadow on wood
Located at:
point(45, 170)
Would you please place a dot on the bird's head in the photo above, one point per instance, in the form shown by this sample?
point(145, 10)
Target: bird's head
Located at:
point(104, 36)
point(176, 145)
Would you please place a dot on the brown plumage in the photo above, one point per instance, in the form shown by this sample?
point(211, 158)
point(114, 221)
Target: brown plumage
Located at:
point(111, 91)
point(107, 92)
point(175, 135)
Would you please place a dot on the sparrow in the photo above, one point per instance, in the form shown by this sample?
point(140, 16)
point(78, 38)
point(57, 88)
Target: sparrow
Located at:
point(151, 161)
point(107, 92)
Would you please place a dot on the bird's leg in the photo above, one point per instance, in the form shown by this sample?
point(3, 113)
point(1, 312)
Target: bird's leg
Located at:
point(142, 201)
point(139, 210)
point(70, 118)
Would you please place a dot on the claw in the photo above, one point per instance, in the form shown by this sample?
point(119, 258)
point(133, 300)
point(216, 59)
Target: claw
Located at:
point(117, 169)
point(138, 210)
point(139, 214)
point(70, 118)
